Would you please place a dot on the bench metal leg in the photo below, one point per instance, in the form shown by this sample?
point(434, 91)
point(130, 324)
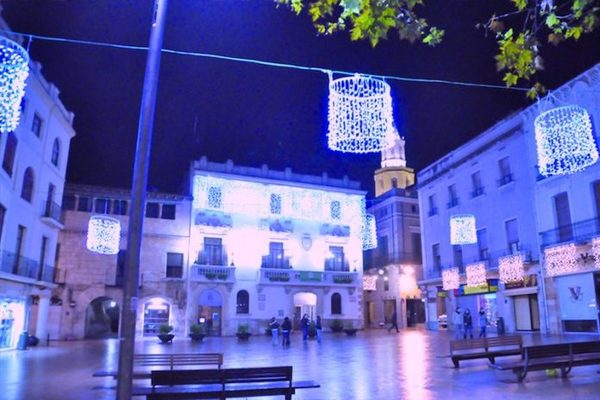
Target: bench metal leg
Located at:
point(492, 359)
point(521, 374)
point(455, 362)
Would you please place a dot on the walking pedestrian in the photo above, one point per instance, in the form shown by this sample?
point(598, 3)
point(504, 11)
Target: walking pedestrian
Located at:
point(468, 322)
point(319, 328)
point(274, 325)
point(394, 322)
point(482, 323)
point(457, 321)
point(286, 327)
point(305, 323)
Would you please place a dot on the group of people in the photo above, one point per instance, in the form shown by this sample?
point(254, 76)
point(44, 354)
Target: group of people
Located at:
point(286, 328)
point(463, 323)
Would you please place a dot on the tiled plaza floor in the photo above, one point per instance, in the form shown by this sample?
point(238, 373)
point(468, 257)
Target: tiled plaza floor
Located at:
point(373, 365)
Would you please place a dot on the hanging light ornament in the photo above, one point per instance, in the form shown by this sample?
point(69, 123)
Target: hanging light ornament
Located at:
point(561, 259)
point(370, 282)
point(596, 251)
point(462, 229)
point(14, 70)
point(510, 268)
point(476, 274)
point(565, 142)
point(360, 114)
point(450, 279)
point(369, 233)
point(103, 235)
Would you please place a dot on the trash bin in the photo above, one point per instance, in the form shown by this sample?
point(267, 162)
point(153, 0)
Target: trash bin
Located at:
point(500, 326)
point(22, 343)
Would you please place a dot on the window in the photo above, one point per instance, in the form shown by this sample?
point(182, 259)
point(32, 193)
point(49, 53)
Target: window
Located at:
point(40, 275)
point(215, 197)
point(174, 265)
point(36, 125)
point(335, 210)
point(119, 207)
point(482, 244)
point(27, 188)
point(243, 302)
point(505, 171)
point(84, 204)
point(101, 206)
point(414, 209)
point(152, 210)
point(275, 205)
point(477, 187)
point(336, 261)
point(213, 252)
point(452, 199)
point(2, 215)
point(416, 247)
point(512, 235)
point(121, 263)
point(563, 217)
point(457, 257)
point(51, 209)
point(55, 152)
point(394, 183)
point(596, 190)
point(168, 211)
point(437, 260)
point(69, 202)
point(21, 231)
point(382, 248)
point(432, 205)
point(336, 303)
point(276, 257)
point(10, 151)
point(386, 284)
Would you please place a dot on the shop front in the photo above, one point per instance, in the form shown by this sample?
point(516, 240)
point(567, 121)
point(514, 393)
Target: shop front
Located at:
point(578, 297)
point(523, 296)
point(12, 321)
point(476, 298)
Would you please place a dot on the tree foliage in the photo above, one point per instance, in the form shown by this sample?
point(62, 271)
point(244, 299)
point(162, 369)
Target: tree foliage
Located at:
point(520, 34)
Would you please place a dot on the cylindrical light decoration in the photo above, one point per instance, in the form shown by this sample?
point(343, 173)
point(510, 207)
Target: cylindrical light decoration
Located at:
point(14, 69)
point(462, 229)
point(450, 279)
point(561, 259)
point(370, 282)
point(596, 251)
point(565, 142)
point(510, 268)
point(103, 235)
point(369, 233)
point(360, 114)
point(476, 274)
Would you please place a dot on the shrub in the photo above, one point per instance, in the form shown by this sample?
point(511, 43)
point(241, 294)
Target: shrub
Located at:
point(336, 325)
point(197, 329)
point(165, 329)
point(242, 328)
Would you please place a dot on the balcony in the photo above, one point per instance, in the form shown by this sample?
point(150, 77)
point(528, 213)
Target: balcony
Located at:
point(278, 276)
point(213, 256)
point(432, 211)
point(211, 273)
point(52, 215)
point(478, 191)
point(336, 265)
point(15, 264)
point(578, 232)
point(505, 179)
point(382, 260)
point(452, 203)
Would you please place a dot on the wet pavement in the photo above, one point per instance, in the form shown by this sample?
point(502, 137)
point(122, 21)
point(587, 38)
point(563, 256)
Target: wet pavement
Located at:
point(373, 365)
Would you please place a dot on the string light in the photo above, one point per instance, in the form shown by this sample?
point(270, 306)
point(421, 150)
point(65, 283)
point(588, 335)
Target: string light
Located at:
point(360, 114)
point(476, 274)
point(462, 229)
point(14, 70)
point(565, 142)
point(596, 251)
point(510, 268)
point(103, 234)
point(369, 232)
point(370, 282)
point(561, 259)
point(450, 279)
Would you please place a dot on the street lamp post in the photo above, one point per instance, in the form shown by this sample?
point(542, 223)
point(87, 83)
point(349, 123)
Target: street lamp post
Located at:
point(138, 200)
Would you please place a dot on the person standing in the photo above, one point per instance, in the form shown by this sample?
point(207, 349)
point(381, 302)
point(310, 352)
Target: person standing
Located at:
point(319, 327)
point(286, 327)
point(457, 321)
point(394, 322)
point(305, 323)
point(468, 322)
point(274, 325)
point(482, 323)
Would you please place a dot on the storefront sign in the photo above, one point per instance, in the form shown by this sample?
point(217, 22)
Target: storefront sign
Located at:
point(528, 281)
point(490, 287)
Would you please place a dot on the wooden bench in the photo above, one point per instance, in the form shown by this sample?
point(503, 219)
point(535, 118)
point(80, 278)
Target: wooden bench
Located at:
point(222, 383)
point(563, 356)
point(490, 348)
point(170, 361)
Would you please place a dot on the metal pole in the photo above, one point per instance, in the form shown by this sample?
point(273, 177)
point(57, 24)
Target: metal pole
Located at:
point(138, 201)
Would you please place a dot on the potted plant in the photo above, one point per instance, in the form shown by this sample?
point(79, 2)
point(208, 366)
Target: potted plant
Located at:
point(350, 330)
point(197, 332)
point(336, 325)
point(242, 332)
point(164, 333)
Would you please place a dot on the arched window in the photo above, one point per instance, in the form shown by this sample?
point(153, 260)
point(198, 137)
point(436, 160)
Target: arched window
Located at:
point(55, 152)
point(336, 303)
point(27, 189)
point(394, 182)
point(243, 302)
point(10, 151)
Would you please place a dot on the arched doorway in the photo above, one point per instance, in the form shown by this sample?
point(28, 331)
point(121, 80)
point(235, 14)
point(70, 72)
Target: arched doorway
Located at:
point(304, 303)
point(210, 308)
point(102, 319)
point(156, 313)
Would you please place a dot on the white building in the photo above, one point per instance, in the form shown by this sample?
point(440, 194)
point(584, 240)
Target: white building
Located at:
point(494, 177)
point(32, 176)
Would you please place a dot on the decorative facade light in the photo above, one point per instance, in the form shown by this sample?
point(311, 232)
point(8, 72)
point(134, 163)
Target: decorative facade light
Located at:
point(14, 69)
point(561, 259)
point(511, 269)
point(369, 233)
point(565, 142)
point(103, 235)
point(596, 251)
point(450, 279)
point(462, 229)
point(360, 114)
point(369, 282)
point(476, 274)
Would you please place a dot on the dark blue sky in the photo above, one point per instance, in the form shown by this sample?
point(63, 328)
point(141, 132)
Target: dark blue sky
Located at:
point(255, 114)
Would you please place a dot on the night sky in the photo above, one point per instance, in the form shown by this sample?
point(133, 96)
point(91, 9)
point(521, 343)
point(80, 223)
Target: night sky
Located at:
point(254, 114)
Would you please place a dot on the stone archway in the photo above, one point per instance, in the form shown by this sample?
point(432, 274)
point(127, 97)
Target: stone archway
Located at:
point(210, 311)
point(304, 303)
point(101, 319)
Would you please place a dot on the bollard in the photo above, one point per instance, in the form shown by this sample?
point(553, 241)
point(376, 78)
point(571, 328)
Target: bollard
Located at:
point(22, 343)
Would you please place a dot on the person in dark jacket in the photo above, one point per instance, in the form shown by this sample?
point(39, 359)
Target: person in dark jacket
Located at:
point(286, 328)
point(305, 323)
point(468, 323)
point(319, 328)
point(394, 322)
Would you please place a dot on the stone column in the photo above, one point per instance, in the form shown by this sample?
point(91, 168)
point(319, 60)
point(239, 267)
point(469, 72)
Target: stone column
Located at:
point(41, 330)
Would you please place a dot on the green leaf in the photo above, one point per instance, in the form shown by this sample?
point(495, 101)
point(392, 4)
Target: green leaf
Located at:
point(520, 4)
point(552, 20)
point(574, 32)
point(510, 79)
